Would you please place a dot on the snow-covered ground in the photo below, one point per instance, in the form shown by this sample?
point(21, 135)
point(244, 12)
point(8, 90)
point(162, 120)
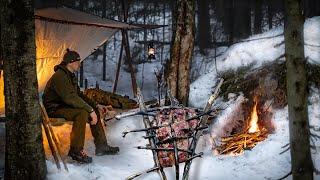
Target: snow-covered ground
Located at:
point(262, 162)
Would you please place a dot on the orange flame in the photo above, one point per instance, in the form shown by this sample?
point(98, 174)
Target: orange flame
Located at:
point(253, 125)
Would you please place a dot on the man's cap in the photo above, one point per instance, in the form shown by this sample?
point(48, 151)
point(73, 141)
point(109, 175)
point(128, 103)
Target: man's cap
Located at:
point(71, 56)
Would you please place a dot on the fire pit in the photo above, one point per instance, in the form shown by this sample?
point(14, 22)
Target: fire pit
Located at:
point(250, 129)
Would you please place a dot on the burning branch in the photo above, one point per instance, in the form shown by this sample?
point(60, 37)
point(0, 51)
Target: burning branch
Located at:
point(237, 143)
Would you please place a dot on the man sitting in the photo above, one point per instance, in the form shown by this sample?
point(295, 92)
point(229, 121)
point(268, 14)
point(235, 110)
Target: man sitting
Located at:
point(62, 98)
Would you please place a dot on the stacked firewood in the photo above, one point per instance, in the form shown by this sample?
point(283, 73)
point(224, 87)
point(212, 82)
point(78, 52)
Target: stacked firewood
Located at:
point(237, 143)
point(108, 98)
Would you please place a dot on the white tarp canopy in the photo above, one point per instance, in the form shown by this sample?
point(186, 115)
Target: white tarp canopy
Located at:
point(60, 28)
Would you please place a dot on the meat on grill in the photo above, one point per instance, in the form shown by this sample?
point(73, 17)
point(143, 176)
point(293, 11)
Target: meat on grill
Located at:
point(174, 127)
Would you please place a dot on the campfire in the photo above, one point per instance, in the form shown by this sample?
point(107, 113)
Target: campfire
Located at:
point(255, 129)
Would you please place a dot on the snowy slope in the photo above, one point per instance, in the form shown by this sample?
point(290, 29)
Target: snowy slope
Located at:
point(261, 49)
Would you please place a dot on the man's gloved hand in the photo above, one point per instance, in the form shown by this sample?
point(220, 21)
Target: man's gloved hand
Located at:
point(94, 118)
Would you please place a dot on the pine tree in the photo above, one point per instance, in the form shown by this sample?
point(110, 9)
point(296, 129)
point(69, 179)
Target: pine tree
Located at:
point(297, 93)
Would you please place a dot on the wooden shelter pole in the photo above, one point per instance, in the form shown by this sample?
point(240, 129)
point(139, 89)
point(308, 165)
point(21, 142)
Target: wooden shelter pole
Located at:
point(104, 55)
point(127, 48)
point(115, 84)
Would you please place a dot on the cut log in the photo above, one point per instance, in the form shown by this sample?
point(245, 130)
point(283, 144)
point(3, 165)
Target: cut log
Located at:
point(108, 98)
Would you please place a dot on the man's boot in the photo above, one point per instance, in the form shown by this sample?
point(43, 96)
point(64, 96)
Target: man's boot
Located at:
point(106, 150)
point(80, 156)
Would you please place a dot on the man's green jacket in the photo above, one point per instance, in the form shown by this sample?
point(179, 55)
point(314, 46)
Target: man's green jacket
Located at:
point(62, 90)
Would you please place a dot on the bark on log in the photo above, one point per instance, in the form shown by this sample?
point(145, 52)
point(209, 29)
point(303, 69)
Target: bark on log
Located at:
point(108, 98)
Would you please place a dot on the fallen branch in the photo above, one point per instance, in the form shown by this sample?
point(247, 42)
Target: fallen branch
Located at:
point(312, 45)
point(279, 44)
point(315, 128)
point(316, 136)
point(285, 176)
point(249, 40)
point(285, 145)
point(143, 172)
point(287, 149)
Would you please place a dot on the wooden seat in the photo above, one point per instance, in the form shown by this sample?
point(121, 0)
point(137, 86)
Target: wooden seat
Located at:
point(53, 121)
point(58, 121)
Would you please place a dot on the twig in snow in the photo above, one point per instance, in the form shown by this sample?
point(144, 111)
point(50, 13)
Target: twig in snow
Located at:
point(316, 136)
point(280, 57)
point(270, 37)
point(313, 45)
point(285, 145)
point(279, 44)
point(315, 128)
point(313, 147)
point(286, 175)
point(287, 149)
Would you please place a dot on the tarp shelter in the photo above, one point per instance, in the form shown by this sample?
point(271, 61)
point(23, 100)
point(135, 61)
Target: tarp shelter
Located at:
point(59, 28)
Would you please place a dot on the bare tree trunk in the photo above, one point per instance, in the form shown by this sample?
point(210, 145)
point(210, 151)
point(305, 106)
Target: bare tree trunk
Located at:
point(178, 79)
point(24, 154)
point(204, 32)
point(229, 20)
point(270, 13)
point(257, 16)
point(241, 27)
point(301, 161)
